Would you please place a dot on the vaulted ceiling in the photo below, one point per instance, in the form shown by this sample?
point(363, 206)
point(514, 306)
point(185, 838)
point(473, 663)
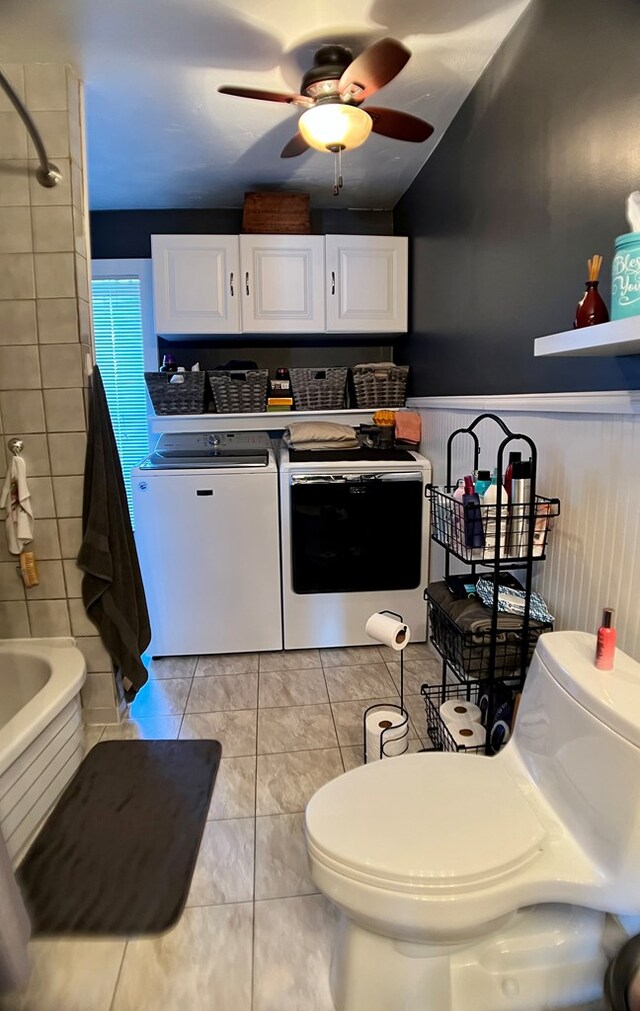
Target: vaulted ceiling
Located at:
point(160, 135)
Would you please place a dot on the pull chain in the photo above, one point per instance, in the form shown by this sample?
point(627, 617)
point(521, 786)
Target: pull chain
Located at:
point(338, 181)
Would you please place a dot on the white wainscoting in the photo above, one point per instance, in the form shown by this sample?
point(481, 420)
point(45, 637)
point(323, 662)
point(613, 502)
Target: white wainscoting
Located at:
point(589, 460)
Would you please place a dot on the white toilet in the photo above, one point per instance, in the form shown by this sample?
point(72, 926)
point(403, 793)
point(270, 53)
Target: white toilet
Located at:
point(480, 884)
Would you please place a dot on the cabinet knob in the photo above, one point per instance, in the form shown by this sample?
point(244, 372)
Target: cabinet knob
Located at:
point(231, 284)
point(333, 282)
point(246, 282)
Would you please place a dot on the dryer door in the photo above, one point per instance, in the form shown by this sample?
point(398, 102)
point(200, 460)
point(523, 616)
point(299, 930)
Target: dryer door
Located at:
point(354, 533)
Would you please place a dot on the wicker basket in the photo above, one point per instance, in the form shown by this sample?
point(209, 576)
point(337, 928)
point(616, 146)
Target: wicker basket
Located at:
point(188, 397)
point(318, 389)
point(380, 385)
point(240, 392)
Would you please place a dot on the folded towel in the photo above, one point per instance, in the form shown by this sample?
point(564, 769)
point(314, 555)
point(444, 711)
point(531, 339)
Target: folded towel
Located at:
point(512, 601)
point(16, 499)
point(373, 365)
point(302, 433)
point(408, 427)
point(470, 650)
point(471, 615)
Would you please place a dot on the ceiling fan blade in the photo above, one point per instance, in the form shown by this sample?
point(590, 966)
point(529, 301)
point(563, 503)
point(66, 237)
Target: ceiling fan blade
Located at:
point(374, 68)
point(399, 125)
point(265, 96)
point(297, 145)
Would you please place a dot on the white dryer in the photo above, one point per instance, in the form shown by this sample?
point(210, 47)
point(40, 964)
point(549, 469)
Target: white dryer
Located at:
point(206, 518)
point(355, 539)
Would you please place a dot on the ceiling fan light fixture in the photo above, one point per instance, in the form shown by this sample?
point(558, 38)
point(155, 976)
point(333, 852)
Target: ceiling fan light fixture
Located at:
point(335, 126)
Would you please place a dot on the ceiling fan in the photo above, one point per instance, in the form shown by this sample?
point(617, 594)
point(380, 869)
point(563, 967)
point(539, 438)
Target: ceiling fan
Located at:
point(332, 92)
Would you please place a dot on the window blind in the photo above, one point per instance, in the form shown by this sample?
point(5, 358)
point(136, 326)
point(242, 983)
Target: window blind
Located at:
point(119, 349)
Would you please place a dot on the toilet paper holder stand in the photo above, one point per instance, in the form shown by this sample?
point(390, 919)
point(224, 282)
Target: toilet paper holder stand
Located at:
point(388, 705)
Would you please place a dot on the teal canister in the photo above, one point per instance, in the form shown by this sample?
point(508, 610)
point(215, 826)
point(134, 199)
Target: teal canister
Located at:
point(625, 277)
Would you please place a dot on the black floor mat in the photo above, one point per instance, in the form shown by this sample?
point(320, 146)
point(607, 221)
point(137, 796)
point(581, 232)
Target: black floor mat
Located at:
point(118, 852)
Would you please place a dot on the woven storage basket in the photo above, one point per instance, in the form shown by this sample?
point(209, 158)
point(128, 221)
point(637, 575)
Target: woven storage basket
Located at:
point(279, 213)
point(380, 386)
point(318, 389)
point(189, 397)
point(240, 392)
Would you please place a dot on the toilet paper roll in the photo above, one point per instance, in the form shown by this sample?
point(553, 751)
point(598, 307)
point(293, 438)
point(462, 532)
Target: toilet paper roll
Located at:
point(389, 726)
point(467, 733)
point(387, 630)
point(459, 709)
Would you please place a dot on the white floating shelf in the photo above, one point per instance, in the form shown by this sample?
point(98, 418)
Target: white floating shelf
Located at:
point(261, 422)
point(619, 337)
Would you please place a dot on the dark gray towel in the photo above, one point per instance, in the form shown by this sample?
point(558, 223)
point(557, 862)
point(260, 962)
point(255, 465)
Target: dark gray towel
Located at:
point(471, 615)
point(112, 589)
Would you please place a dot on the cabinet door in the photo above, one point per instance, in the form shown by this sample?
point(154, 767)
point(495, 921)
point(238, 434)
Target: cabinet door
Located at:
point(282, 283)
point(195, 283)
point(366, 283)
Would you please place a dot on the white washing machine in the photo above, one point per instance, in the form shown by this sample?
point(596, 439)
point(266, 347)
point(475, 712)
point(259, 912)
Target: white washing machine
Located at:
point(206, 518)
point(355, 539)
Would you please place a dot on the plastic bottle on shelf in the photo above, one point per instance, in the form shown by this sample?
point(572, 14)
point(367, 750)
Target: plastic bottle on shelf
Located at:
point(473, 532)
point(168, 364)
point(514, 457)
point(483, 480)
point(490, 516)
point(456, 533)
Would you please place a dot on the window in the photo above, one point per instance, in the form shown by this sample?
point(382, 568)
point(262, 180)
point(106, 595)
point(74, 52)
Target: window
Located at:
point(124, 347)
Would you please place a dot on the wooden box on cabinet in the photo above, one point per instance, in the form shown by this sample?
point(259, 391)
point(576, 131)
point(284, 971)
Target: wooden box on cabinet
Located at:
point(276, 213)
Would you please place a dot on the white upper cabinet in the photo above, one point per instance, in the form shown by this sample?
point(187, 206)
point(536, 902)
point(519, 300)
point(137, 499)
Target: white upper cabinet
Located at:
point(282, 283)
point(366, 283)
point(196, 284)
point(225, 284)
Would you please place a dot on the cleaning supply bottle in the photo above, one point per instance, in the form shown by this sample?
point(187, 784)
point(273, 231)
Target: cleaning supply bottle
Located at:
point(473, 532)
point(508, 474)
point(490, 516)
point(606, 644)
point(168, 364)
point(457, 526)
point(483, 480)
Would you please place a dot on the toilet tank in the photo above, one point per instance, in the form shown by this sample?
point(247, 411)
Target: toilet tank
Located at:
point(578, 735)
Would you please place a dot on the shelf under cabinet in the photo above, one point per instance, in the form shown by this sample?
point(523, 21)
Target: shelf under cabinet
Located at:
point(258, 422)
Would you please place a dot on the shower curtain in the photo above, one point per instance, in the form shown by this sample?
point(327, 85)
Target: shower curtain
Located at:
point(14, 928)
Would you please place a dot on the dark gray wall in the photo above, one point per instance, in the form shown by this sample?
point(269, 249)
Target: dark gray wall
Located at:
point(529, 180)
point(122, 234)
point(303, 351)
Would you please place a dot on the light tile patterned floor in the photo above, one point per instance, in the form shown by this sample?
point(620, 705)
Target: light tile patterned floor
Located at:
point(255, 935)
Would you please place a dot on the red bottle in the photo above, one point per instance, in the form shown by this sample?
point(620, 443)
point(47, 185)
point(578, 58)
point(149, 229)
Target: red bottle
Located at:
point(591, 309)
point(606, 645)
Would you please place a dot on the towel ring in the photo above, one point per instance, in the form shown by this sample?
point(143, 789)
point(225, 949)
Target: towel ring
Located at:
point(15, 446)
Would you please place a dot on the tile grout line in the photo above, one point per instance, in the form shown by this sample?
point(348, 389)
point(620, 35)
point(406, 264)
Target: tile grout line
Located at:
point(333, 718)
point(255, 847)
point(115, 988)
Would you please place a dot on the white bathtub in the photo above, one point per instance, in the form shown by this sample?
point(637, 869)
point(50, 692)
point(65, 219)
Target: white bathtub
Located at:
point(41, 733)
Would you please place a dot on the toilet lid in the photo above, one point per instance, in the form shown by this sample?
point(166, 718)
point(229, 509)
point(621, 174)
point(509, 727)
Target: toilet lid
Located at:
point(426, 820)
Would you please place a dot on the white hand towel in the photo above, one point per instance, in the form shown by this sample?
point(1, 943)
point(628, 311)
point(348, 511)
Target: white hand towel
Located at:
point(16, 500)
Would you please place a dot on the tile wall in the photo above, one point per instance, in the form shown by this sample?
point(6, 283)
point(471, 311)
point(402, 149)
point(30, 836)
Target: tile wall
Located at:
point(45, 338)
